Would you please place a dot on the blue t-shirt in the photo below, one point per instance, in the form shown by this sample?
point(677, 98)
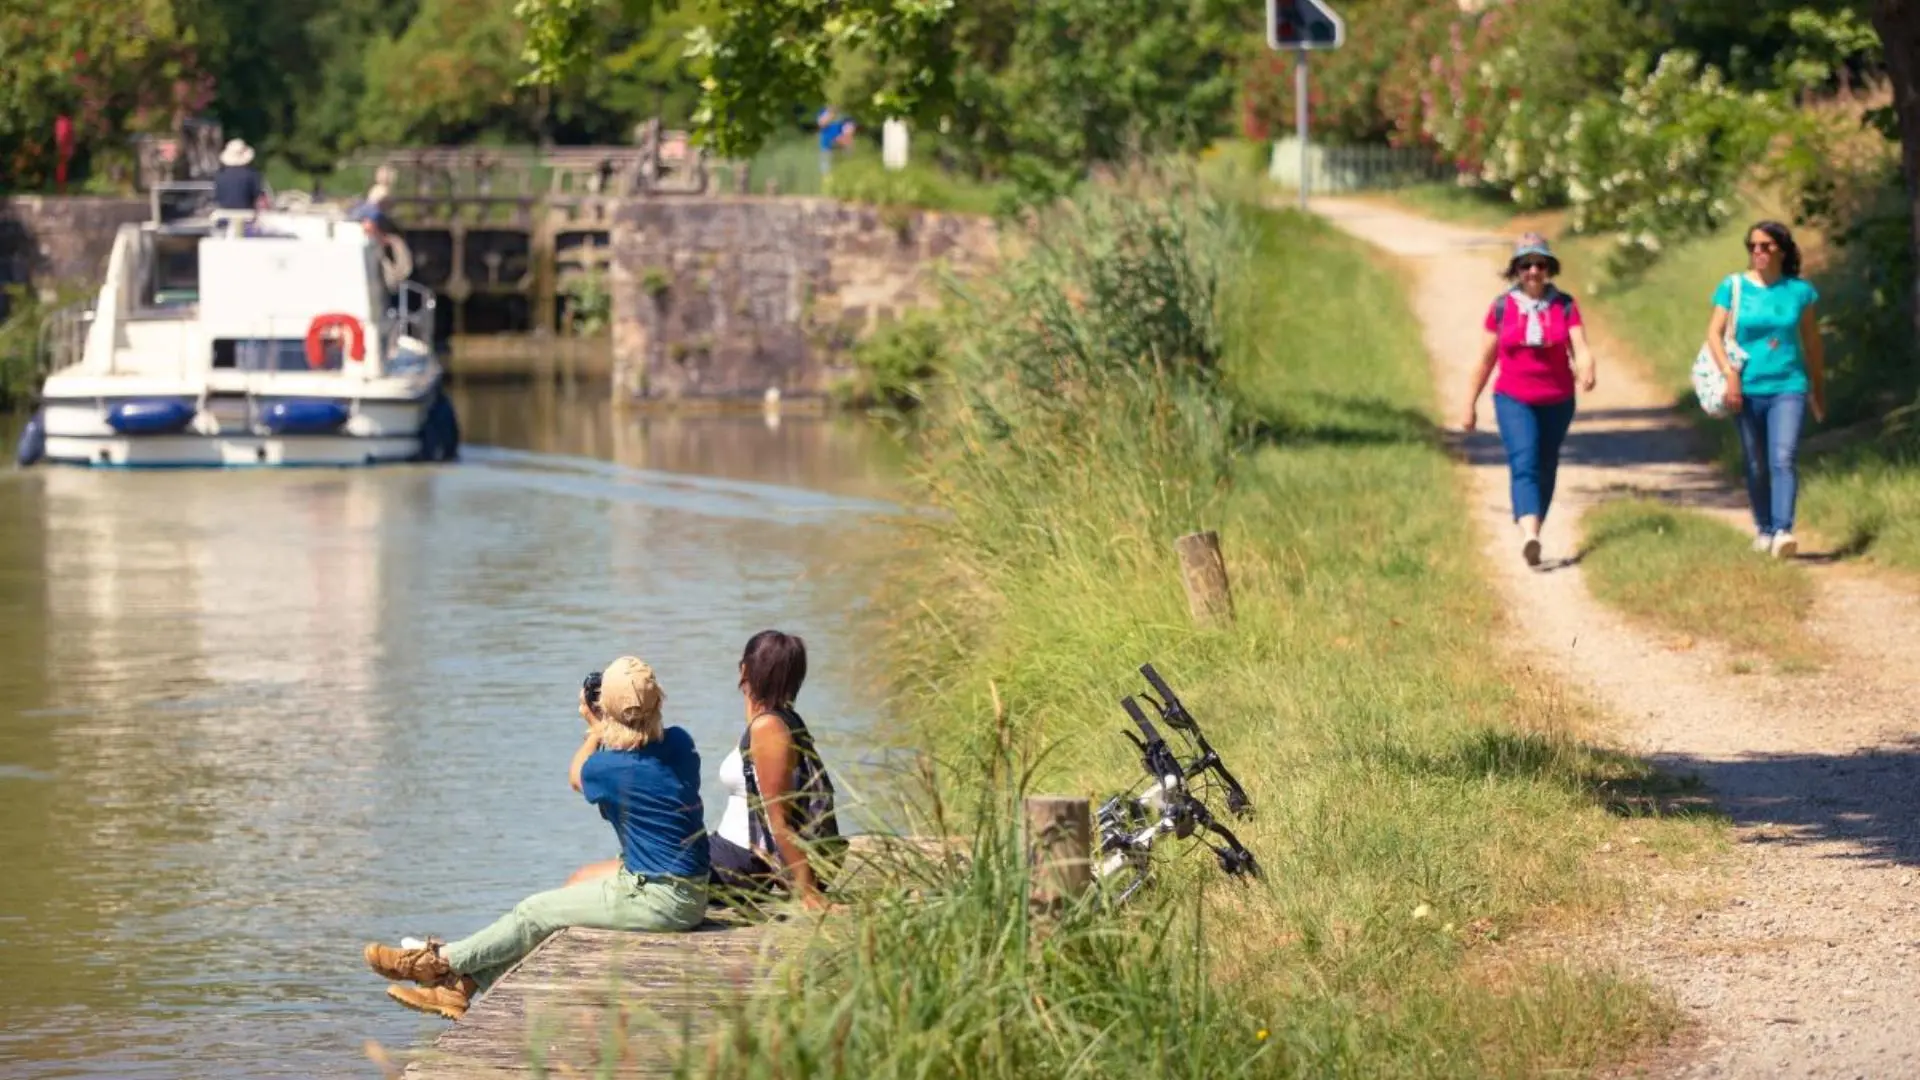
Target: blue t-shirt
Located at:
point(1769, 332)
point(651, 796)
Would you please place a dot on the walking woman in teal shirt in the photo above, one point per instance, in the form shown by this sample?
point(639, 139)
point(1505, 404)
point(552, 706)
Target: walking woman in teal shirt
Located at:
point(1776, 371)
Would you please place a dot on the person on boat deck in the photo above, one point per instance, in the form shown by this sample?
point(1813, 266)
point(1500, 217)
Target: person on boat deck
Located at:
point(372, 212)
point(237, 185)
point(645, 780)
point(778, 832)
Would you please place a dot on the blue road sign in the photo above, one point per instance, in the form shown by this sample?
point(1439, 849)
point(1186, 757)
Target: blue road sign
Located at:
point(1304, 24)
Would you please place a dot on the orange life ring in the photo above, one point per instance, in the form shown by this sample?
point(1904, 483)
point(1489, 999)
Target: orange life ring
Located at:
point(316, 330)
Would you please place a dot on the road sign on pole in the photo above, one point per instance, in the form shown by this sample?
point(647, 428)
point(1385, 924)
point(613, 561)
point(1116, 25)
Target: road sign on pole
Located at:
point(1302, 26)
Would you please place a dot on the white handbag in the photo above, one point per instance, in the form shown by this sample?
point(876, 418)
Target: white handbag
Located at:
point(1709, 382)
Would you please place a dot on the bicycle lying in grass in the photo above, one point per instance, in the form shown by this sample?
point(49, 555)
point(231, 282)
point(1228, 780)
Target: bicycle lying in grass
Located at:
point(1170, 803)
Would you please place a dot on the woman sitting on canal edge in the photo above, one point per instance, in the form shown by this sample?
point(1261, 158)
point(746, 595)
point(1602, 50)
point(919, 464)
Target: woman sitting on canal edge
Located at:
point(645, 780)
point(778, 831)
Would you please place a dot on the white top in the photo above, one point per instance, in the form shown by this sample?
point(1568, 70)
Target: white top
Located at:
point(733, 823)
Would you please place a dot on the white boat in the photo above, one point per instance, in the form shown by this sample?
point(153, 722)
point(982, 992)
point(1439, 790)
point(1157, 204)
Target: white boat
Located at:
point(244, 338)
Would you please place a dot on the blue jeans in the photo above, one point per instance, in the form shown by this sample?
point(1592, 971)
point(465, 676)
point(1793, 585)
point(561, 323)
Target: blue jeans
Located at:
point(1532, 434)
point(1769, 439)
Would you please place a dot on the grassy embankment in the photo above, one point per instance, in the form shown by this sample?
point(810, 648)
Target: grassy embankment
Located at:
point(1153, 367)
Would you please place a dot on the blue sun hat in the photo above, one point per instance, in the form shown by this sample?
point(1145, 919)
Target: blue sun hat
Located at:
point(1532, 244)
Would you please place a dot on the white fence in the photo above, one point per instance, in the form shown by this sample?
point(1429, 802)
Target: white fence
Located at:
point(1355, 168)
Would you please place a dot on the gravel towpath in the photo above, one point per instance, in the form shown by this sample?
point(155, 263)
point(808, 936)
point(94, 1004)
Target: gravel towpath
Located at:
point(1807, 962)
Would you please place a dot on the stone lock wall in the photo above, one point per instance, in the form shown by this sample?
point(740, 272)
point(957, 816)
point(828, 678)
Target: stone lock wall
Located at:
point(51, 241)
point(726, 298)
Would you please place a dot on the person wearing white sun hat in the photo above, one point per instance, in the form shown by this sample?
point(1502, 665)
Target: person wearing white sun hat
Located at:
point(238, 186)
point(1536, 340)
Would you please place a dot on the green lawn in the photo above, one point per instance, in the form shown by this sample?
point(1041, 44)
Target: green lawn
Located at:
point(1693, 577)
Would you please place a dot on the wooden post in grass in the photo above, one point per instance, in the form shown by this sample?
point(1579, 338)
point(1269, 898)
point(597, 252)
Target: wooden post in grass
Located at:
point(1208, 597)
point(1059, 847)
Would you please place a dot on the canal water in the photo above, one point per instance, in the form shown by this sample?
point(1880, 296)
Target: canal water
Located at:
point(250, 720)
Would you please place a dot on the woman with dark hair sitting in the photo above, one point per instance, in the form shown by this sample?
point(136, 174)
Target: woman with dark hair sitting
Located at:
point(778, 831)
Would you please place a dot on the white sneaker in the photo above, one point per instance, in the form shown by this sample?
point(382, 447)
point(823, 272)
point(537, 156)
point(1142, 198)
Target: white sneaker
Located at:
point(1530, 550)
point(1763, 542)
point(1785, 546)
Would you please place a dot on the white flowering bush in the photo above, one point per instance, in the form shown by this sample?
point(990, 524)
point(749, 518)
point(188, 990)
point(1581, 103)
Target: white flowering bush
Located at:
point(1660, 160)
point(1652, 158)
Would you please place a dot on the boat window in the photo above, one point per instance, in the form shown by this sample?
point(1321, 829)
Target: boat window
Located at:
point(173, 277)
point(270, 354)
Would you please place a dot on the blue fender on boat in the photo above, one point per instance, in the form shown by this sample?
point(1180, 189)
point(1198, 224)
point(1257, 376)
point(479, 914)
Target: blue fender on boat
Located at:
point(304, 417)
point(440, 431)
point(158, 416)
point(33, 441)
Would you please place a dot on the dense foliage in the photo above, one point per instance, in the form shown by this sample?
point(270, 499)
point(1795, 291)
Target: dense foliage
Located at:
point(308, 81)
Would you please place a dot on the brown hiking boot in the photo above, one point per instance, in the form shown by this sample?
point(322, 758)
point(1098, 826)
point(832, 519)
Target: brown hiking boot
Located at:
point(448, 999)
point(424, 966)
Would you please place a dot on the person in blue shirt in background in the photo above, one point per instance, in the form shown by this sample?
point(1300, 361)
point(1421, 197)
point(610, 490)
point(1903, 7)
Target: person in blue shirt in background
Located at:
point(1776, 373)
point(645, 781)
point(835, 131)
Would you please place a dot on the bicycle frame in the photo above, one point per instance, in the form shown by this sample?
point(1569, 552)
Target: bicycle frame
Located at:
point(1131, 823)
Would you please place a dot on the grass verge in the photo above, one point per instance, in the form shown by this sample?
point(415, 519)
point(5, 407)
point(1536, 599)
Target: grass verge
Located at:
point(1691, 575)
point(1149, 367)
point(1485, 207)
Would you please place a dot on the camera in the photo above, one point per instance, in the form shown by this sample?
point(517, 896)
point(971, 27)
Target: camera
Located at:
point(591, 687)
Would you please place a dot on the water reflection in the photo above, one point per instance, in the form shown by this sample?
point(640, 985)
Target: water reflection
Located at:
point(841, 456)
point(250, 719)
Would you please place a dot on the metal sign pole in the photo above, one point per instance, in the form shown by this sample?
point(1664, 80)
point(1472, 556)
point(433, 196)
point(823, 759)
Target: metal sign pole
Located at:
point(1303, 25)
point(1300, 118)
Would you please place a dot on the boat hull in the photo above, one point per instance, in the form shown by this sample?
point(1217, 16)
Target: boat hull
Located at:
point(237, 432)
point(226, 451)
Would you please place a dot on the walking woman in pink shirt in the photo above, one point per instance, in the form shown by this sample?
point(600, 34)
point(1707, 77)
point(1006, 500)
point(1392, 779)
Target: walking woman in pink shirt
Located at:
point(1535, 338)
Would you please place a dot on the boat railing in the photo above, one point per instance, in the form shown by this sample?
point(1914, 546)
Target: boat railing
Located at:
point(63, 336)
point(411, 315)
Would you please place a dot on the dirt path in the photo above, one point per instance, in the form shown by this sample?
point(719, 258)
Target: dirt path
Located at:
point(1810, 965)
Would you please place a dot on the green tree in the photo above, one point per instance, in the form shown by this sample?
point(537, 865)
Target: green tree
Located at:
point(452, 75)
point(1898, 22)
point(1046, 87)
point(116, 68)
point(457, 74)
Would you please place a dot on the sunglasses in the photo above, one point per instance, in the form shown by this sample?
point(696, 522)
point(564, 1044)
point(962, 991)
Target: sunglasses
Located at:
point(1536, 264)
point(1764, 245)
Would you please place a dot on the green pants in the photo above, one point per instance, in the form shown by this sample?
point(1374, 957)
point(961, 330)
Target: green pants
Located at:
point(624, 901)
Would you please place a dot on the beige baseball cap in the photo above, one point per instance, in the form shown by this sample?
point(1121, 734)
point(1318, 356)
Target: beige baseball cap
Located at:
point(629, 694)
